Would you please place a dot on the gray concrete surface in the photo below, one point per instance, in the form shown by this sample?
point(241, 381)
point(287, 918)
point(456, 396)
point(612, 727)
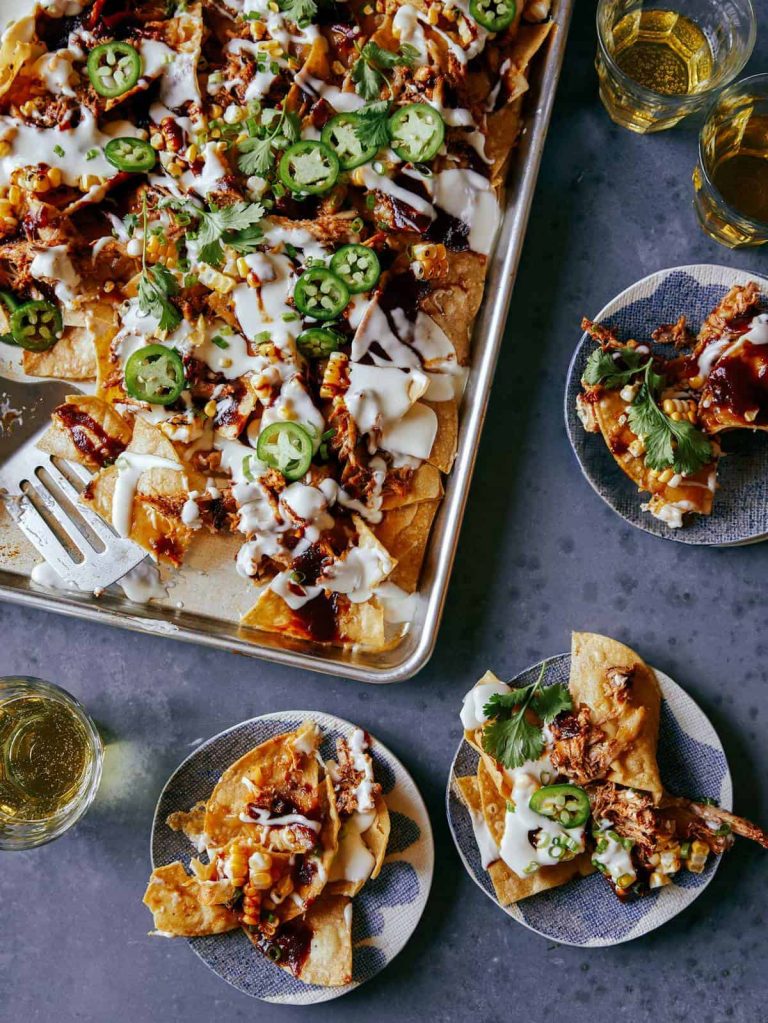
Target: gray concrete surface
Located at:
point(540, 555)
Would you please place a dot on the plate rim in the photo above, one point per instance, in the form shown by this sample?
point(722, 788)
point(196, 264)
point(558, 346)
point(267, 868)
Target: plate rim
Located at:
point(329, 994)
point(663, 679)
point(672, 534)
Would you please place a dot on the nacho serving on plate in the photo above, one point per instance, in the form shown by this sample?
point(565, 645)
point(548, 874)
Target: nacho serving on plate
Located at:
point(288, 840)
point(259, 233)
point(568, 783)
point(661, 414)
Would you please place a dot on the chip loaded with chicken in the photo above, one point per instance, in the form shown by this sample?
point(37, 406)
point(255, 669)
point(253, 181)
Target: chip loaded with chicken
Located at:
point(567, 781)
point(661, 410)
point(259, 233)
point(288, 840)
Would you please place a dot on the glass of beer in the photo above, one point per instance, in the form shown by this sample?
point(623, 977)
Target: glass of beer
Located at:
point(731, 178)
point(657, 64)
point(50, 762)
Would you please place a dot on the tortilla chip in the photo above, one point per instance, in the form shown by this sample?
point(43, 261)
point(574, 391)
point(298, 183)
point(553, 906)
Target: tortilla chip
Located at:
point(361, 624)
point(178, 904)
point(329, 962)
point(72, 357)
point(191, 823)
point(444, 447)
point(160, 495)
point(98, 425)
point(508, 886)
point(635, 720)
point(353, 847)
point(18, 45)
point(406, 531)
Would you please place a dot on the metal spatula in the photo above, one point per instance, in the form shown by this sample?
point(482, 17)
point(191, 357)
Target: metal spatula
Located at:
point(42, 493)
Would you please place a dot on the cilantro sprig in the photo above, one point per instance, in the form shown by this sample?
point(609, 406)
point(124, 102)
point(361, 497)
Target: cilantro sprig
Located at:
point(300, 12)
point(369, 72)
point(276, 129)
point(510, 737)
point(157, 286)
point(602, 367)
point(237, 225)
point(668, 443)
point(372, 124)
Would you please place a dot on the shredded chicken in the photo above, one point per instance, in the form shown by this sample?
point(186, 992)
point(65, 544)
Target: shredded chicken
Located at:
point(740, 300)
point(605, 336)
point(708, 813)
point(677, 334)
point(634, 816)
point(580, 750)
point(346, 780)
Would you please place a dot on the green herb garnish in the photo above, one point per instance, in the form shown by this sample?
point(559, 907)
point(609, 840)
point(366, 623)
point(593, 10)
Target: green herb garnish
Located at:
point(369, 72)
point(157, 285)
point(372, 124)
point(509, 736)
point(602, 367)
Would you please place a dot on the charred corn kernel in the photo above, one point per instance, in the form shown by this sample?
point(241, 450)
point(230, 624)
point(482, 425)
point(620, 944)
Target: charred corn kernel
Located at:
point(258, 30)
point(191, 153)
point(696, 382)
point(670, 860)
point(637, 447)
point(691, 417)
point(751, 414)
point(676, 417)
point(28, 108)
point(14, 195)
point(356, 177)
point(433, 15)
point(153, 245)
point(215, 280)
point(5, 148)
point(671, 405)
point(210, 409)
point(54, 176)
point(698, 857)
point(156, 140)
point(216, 110)
point(262, 880)
point(88, 181)
point(242, 266)
point(41, 184)
point(339, 68)
point(175, 169)
point(243, 135)
point(431, 260)
point(666, 476)
point(658, 880)
point(335, 375)
point(109, 286)
point(216, 133)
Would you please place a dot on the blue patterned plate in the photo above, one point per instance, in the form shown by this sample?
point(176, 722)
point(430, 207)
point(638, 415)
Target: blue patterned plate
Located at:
point(585, 911)
point(740, 512)
point(385, 912)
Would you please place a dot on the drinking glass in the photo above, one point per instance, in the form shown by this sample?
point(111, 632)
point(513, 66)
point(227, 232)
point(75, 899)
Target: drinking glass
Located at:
point(731, 177)
point(50, 762)
point(657, 63)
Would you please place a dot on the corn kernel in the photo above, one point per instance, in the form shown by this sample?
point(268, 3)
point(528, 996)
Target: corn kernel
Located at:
point(676, 417)
point(14, 195)
point(191, 153)
point(696, 382)
point(242, 266)
point(54, 176)
point(5, 148)
point(210, 409)
point(637, 447)
point(666, 475)
point(216, 110)
point(156, 140)
point(109, 286)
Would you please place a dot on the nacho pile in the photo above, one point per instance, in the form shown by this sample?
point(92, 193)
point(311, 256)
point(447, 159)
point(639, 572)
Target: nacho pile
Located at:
point(568, 783)
point(258, 233)
point(286, 840)
point(661, 416)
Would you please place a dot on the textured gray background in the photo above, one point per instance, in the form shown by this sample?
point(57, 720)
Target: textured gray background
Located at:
point(540, 555)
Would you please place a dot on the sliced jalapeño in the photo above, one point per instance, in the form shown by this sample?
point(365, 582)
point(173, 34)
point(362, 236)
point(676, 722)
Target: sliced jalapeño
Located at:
point(320, 294)
point(358, 266)
point(417, 132)
point(340, 135)
point(566, 804)
point(114, 68)
point(36, 326)
point(155, 374)
point(493, 15)
point(318, 342)
point(309, 167)
point(129, 154)
point(286, 447)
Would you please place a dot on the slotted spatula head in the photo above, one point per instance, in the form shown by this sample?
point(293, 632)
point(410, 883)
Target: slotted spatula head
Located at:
point(42, 492)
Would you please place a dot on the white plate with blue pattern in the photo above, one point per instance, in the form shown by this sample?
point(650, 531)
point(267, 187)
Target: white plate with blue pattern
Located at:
point(385, 912)
point(585, 911)
point(740, 510)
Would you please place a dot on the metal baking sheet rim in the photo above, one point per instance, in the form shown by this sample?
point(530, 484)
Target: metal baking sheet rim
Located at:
point(415, 649)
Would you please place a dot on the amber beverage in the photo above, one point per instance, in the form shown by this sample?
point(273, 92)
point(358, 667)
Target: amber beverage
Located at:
point(656, 63)
point(731, 177)
point(50, 762)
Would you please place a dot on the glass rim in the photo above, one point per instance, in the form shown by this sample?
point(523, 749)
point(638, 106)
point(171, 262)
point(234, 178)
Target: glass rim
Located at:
point(702, 164)
point(32, 834)
point(679, 100)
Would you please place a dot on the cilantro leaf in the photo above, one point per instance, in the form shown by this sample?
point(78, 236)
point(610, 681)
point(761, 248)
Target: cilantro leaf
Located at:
point(602, 367)
point(509, 736)
point(368, 70)
point(372, 125)
point(668, 443)
point(245, 241)
point(156, 287)
point(551, 701)
point(255, 156)
point(300, 12)
point(512, 741)
point(236, 225)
